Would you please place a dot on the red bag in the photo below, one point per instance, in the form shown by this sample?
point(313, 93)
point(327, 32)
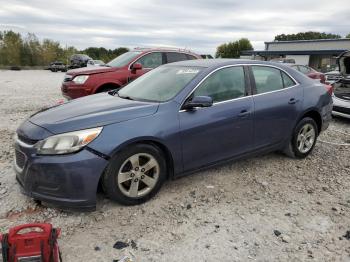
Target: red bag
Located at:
point(32, 246)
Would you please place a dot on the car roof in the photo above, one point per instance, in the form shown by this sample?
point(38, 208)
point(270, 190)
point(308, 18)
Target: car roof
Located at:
point(163, 49)
point(223, 61)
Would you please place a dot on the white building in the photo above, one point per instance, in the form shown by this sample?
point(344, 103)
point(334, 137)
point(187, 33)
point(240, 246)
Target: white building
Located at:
point(320, 54)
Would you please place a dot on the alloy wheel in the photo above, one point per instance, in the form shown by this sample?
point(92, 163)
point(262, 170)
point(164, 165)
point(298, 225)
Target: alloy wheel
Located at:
point(306, 138)
point(138, 175)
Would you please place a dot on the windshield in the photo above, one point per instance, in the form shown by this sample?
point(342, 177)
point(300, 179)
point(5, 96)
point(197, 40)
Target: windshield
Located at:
point(123, 59)
point(160, 84)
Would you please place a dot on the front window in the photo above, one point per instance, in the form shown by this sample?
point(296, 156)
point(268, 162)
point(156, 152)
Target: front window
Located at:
point(123, 59)
point(160, 84)
point(224, 84)
point(151, 60)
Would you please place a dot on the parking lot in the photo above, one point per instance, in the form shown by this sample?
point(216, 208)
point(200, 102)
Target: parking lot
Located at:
point(267, 208)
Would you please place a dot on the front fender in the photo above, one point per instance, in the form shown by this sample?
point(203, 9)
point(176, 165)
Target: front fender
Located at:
point(155, 128)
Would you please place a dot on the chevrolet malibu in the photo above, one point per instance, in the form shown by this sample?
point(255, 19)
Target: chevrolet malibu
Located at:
point(174, 120)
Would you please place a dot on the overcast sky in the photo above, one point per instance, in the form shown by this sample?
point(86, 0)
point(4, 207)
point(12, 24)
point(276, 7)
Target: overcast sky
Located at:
point(196, 25)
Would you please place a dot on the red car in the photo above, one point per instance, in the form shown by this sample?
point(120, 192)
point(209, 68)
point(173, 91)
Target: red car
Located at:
point(120, 71)
point(310, 72)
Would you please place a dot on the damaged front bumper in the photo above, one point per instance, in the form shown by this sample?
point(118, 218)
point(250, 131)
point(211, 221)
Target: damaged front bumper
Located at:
point(65, 181)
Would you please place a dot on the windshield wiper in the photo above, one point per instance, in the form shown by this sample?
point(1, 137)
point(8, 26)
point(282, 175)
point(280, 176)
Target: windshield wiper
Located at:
point(124, 97)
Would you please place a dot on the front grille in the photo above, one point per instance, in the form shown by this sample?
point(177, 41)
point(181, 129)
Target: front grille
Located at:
point(20, 159)
point(344, 96)
point(343, 110)
point(333, 77)
point(26, 140)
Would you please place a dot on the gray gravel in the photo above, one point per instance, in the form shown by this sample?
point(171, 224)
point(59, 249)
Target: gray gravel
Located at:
point(267, 208)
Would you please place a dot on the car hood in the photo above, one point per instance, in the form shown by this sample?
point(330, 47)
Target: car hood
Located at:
point(91, 111)
point(91, 70)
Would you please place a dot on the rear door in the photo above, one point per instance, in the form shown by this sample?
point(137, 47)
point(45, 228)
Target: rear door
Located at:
point(277, 101)
point(223, 130)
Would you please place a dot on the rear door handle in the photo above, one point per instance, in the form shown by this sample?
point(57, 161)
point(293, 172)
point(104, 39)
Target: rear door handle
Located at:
point(243, 113)
point(292, 101)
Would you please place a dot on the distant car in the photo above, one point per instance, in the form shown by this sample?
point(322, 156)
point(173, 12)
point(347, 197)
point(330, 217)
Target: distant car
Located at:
point(95, 63)
point(332, 77)
point(57, 66)
point(79, 60)
point(341, 88)
point(177, 119)
point(310, 72)
point(207, 56)
point(283, 60)
point(120, 71)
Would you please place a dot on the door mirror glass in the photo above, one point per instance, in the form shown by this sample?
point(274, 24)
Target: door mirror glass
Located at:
point(198, 101)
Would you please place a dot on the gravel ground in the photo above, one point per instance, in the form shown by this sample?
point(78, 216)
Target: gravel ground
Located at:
point(267, 208)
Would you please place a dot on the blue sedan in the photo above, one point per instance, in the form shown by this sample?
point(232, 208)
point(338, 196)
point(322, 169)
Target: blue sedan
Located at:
point(172, 121)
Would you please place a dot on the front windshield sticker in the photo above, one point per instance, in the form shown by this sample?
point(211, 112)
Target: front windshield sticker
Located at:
point(187, 71)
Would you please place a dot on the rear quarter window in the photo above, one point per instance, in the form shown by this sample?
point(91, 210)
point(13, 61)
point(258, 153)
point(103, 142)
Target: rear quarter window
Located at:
point(287, 81)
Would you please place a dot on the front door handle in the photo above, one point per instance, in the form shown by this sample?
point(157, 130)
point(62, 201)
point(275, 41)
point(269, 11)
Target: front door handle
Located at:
point(292, 101)
point(243, 113)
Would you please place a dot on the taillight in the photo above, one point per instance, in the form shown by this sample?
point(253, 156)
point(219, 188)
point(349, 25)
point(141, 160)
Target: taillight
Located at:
point(329, 89)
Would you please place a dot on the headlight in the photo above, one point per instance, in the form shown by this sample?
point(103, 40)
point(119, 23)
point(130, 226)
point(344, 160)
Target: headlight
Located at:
point(80, 79)
point(67, 142)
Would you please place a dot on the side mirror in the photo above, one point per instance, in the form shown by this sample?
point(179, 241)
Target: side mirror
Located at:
point(198, 101)
point(136, 66)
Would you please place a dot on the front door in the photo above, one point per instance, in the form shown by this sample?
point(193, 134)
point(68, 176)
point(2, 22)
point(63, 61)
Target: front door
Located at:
point(223, 130)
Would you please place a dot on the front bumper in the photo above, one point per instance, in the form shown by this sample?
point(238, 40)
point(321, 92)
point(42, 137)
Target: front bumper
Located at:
point(72, 91)
point(341, 107)
point(66, 181)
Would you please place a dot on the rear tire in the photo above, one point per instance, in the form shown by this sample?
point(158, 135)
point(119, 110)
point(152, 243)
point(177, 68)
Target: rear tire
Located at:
point(135, 174)
point(303, 139)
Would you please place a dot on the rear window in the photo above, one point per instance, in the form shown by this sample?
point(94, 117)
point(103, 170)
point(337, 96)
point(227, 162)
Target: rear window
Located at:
point(175, 57)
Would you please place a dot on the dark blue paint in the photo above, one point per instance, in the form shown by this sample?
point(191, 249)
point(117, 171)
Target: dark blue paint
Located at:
point(194, 139)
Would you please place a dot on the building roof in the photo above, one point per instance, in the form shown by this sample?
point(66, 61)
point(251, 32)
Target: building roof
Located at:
point(295, 52)
point(311, 40)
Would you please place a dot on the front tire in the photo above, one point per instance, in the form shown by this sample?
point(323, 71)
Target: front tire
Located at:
point(135, 174)
point(303, 140)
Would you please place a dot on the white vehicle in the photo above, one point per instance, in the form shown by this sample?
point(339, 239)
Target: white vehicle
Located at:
point(341, 96)
point(95, 63)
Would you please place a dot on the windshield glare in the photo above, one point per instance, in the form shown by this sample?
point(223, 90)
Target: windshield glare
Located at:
point(160, 84)
point(123, 59)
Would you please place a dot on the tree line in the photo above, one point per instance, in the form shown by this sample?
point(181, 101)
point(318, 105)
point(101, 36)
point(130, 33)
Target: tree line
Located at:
point(18, 50)
point(28, 50)
point(310, 35)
